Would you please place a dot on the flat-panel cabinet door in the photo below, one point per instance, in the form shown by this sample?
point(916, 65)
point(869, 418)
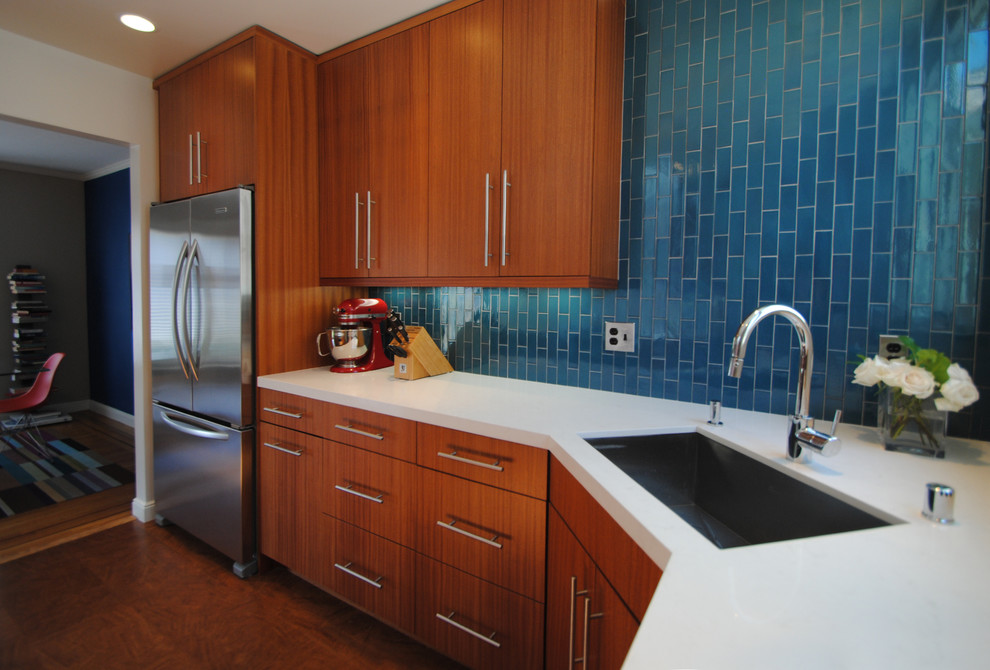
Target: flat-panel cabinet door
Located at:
point(176, 134)
point(547, 134)
point(399, 76)
point(344, 165)
point(588, 625)
point(226, 157)
point(290, 468)
point(465, 141)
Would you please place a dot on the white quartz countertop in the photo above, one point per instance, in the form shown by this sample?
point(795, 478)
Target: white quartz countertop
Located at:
point(911, 595)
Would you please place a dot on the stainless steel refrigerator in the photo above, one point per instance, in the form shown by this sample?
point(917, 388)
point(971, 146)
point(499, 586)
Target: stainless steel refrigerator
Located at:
point(202, 365)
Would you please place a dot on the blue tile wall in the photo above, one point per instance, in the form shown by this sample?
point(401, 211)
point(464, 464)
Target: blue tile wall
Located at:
point(826, 155)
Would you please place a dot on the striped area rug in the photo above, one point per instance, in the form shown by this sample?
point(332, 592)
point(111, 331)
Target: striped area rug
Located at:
point(29, 481)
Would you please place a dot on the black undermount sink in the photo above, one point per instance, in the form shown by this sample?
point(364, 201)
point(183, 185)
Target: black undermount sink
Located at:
point(730, 498)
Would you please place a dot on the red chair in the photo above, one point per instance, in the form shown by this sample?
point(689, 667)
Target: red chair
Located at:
point(31, 399)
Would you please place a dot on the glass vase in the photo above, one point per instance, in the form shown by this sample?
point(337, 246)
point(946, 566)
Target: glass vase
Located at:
point(911, 425)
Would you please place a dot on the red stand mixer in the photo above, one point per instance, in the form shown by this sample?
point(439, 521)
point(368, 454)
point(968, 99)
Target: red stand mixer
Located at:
point(357, 344)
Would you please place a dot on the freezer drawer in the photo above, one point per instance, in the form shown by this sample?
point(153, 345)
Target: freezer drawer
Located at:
point(204, 482)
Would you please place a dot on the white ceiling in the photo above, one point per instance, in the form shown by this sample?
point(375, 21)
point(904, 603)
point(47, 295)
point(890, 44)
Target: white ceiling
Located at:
point(185, 28)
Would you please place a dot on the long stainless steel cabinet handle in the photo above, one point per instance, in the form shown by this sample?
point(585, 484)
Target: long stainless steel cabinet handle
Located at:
point(357, 231)
point(351, 429)
point(570, 642)
point(279, 447)
point(179, 262)
point(368, 212)
point(190, 159)
point(449, 619)
point(505, 208)
point(199, 158)
point(488, 187)
point(282, 412)
point(347, 569)
point(470, 461)
point(484, 540)
point(350, 489)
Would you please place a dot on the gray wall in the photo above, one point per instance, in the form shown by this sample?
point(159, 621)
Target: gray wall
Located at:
point(42, 223)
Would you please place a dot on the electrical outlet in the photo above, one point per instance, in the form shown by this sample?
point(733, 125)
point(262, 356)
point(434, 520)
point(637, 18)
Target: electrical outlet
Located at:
point(620, 336)
point(892, 347)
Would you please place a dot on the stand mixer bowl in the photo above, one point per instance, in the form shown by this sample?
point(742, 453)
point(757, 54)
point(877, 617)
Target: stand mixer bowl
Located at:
point(349, 344)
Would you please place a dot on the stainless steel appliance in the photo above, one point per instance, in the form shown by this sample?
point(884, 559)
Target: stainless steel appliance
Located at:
point(358, 344)
point(202, 351)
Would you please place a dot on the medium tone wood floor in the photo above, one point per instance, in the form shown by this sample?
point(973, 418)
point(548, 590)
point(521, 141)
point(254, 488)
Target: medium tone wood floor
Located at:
point(84, 585)
point(29, 532)
point(141, 596)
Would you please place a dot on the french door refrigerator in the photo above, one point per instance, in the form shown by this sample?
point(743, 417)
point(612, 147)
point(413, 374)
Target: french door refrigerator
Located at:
point(202, 365)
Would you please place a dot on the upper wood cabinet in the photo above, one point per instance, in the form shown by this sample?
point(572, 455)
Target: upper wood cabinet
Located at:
point(465, 137)
point(251, 102)
point(524, 144)
point(206, 133)
point(373, 139)
point(561, 138)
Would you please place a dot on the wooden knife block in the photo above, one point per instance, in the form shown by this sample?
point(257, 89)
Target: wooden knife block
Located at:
point(423, 359)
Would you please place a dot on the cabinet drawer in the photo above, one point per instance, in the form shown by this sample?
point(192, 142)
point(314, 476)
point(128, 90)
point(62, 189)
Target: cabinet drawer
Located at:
point(293, 411)
point(374, 492)
point(507, 465)
point(369, 571)
point(381, 433)
point(476, 623)
point(497, 535)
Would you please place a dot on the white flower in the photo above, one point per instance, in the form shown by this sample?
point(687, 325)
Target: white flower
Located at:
point(958, 393)
point(911, 379)
point(870, 371)
point(945, 405)
point(957, 373)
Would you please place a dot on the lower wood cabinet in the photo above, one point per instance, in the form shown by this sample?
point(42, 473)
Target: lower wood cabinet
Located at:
point(377, 575)
point(494, 534)
point(587, 622)
point(290, 471)
point(475, 622)
point(373, 492)
point(447, 536)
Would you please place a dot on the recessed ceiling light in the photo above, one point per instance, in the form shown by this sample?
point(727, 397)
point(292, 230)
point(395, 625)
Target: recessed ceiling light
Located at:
point(137, 23)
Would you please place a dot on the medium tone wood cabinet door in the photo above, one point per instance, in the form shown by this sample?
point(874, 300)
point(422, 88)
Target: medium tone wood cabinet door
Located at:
point(344, 165)
point(374, 141)
point(399, 145)
point(227, 142)
point(465, 141)
point(291, 467)
point(587, 623)
point(206, 125)
point(548, 95)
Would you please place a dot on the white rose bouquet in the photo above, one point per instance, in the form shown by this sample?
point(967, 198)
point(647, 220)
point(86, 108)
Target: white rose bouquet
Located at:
point(923, 374)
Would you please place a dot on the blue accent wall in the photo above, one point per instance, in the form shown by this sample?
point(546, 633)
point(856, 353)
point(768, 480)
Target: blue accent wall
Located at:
point(823, 154)
point(108, 290)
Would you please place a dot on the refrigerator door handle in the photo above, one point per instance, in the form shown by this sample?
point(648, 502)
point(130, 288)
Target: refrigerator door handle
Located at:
point(193, 257)
point(179, 262)
point(185, 425)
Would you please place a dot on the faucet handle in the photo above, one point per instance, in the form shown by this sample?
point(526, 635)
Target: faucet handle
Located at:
point(835, 421)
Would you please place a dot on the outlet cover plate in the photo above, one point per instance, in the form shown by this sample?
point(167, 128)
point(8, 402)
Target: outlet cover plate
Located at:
point(620, 336)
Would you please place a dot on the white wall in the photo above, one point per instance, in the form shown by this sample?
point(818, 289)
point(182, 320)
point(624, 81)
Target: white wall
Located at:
point(42, 84)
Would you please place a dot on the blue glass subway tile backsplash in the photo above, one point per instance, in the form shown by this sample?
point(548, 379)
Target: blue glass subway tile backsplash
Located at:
point(827, 155)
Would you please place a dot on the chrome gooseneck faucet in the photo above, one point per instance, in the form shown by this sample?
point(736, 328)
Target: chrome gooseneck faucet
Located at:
point(802, 432)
